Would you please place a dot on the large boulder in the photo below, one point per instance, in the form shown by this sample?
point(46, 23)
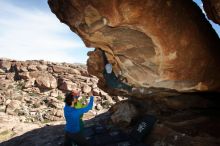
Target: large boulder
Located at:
point(64, 69)
point(123, 113)
point(66, 85)
point(59, 69)
point(42, 67)
point(44, 80)
point(161, 47)
point(12, 106)
point(158, 44)
point(24, 75)
point(212, 9)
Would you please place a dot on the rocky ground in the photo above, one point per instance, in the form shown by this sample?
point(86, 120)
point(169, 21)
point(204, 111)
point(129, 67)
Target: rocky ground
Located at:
point(32, 93)
point(31, 108)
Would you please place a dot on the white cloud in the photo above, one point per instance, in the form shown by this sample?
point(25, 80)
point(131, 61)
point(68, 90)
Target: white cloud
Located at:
point(36, 34)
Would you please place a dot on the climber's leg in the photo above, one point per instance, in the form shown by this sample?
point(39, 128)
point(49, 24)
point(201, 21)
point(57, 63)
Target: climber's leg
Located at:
point(67, 140)
point(114, 82)
point(77, 138)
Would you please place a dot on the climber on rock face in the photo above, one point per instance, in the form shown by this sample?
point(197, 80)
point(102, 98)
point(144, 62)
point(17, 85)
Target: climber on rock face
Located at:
point(111, 79)
point(117, 82)
point(72, 115)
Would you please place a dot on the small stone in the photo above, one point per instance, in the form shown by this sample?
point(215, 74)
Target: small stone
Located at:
point(12, 106)
point(59, 113)
point(5, 65)
point(106, 104)
point(24, 75)
point(10, 76)
point(32, 68)
point(39, 116)
point(42, 67)
point(99, 107)
point(15, 104)
point(96, 91)
point(2, 100)
point(86, 89)
point(94, 86)
point(22, 118)
point(74, 71)
point(29, 83)
point(2, 108)
point(118, 98)
point(37, 104)
point(2, 71)
point(109, 99)
point(102, 93)
point(55, 103)
point(7, 101)
point(2, 77)
point(54, 93)
point(23, 69)
point(50, 69)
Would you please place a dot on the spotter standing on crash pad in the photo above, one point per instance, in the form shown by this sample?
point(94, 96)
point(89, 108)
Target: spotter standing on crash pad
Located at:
point(72, 116)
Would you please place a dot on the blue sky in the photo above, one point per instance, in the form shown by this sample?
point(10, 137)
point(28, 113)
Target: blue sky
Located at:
point(29, 30)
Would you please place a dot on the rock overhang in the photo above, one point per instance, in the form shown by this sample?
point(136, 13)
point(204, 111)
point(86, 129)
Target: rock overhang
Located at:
point(153, 44)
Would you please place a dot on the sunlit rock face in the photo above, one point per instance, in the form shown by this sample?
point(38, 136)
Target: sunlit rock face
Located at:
point(153, 43)
point(212, 9)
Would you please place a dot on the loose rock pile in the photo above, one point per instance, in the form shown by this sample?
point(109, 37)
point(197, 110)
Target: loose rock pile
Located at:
point(34, 91)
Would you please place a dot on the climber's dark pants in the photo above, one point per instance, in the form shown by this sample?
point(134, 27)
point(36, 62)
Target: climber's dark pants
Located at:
point(76, 138)
point(113, 82)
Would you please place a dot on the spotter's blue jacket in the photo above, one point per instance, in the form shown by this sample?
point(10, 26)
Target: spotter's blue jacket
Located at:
point(72, 116)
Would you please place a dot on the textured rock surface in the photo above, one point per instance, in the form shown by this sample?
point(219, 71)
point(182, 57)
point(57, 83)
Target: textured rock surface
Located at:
point(123, 113)
point(158, 43)
point(5, 65)
point(212, 9)
point(46, 81)
point(182, 126)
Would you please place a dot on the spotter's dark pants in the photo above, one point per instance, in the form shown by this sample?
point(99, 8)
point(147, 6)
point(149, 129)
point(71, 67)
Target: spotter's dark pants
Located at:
point(76, 138)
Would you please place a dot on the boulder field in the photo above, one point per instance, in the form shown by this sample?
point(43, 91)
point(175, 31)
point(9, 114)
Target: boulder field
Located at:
point(32, 94)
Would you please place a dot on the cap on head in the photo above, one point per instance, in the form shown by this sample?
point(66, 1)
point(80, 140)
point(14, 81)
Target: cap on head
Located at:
point(75, 94)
